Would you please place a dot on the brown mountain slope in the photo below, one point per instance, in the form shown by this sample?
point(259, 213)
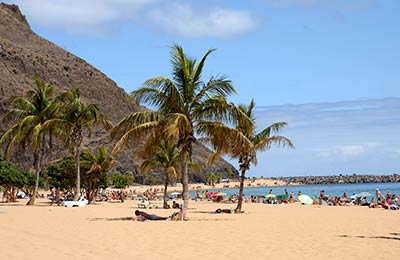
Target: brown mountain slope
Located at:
point(24, 54)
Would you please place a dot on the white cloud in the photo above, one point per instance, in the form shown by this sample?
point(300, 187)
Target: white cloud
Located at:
point(102, 17)
point(94, 17)
point(346, 151)
point(183, 20)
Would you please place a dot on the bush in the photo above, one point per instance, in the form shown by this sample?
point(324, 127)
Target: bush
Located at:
point(13, 179)
point(120, 181)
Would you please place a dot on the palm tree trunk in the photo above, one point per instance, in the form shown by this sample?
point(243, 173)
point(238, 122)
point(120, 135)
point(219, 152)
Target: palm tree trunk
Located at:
point(165, 204)
point(78, 172)
point(185, 180)
point(240, 199)
point(37, 159)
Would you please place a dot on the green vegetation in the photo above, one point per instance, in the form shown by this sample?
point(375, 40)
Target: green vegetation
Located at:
point(13, 179)
point(62, 175)
point(28, 116)
point(95, 171)
point(184, 104)
point(246, 152)
point(167, 158)
point(74, 120)
point(120, 181)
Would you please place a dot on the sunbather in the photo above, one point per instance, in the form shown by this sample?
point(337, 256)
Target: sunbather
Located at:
point(143, 216)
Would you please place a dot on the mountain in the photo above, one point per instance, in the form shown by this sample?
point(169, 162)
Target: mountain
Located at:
point(24, 54)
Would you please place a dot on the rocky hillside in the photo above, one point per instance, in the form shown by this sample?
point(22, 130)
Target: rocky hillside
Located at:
point(24, 54)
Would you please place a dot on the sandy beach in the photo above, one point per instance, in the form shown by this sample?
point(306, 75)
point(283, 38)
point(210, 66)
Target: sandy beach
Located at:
point(107, 231)
point(217, 186)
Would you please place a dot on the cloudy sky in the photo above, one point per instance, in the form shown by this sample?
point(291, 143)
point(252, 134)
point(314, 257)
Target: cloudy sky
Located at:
point(330, 68)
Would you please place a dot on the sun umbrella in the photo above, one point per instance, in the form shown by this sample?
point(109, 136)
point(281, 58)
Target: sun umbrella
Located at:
point(305, 199)
point(270, 196)
point(281, 196)
point(363, 194)
point(219, 194)
point(175, 193)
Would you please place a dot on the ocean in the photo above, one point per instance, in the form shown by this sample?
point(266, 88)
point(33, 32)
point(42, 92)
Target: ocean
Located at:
point(313, 190)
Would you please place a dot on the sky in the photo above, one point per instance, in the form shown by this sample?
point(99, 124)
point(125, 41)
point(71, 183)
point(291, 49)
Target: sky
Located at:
point(329, 68)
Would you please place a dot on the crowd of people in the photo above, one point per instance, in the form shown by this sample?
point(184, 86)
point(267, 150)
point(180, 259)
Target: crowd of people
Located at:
point(387, 201)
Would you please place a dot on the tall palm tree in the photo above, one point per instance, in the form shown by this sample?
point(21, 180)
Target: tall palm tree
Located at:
point(184, 104)
point(256, 142)
point(29, 114)
point(75, 121)
point(96, 165)
point(166, 158)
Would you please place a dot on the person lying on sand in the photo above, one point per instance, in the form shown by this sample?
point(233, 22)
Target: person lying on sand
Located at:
point(229, 211)
point(141, 216)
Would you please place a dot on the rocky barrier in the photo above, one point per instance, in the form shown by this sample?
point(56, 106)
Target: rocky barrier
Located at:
point(337, 179)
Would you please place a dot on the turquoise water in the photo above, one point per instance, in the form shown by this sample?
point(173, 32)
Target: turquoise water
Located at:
point(313, 190)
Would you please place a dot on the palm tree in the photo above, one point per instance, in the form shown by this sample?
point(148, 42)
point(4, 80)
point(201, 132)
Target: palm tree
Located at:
point(167, 158)
point(256, 142)
point(97, 166)
point(74, 122)
point(184, 104)
point(211, 178)
point(29, 114)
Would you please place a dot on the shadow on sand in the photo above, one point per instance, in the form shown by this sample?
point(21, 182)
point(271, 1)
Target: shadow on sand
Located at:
point(112, 219)
point(376, 237)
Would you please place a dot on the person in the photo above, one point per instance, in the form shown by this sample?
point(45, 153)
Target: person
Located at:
point(323, 198)
point(344, 198)
point(373, 204)
point(175, 205)
point(291, 197)
point(141, 215)
point(229, 211)
point(378, 194)
point(389, 195)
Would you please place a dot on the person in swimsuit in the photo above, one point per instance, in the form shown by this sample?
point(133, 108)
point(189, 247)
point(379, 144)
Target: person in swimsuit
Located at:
point(142, 214)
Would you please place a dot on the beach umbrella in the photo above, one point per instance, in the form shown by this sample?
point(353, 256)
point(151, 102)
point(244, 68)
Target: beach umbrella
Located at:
point(219, 194)
point(281, 197)
point(363, 194)
point(175, 193)
point(305, 199)
point(270, 196)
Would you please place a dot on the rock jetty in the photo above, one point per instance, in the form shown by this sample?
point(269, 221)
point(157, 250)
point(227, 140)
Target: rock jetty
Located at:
point(338, 179)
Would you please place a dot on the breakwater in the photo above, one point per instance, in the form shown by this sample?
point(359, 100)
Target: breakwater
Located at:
point(338, 179)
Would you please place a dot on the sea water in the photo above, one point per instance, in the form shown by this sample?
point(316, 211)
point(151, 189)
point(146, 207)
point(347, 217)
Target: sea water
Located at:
point(313, 190)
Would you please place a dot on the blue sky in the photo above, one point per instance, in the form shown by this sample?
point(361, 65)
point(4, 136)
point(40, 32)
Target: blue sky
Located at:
point(330, 68)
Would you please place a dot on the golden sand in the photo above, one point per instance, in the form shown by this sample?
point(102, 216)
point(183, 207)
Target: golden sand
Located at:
point(218, 186)
point(107, 231)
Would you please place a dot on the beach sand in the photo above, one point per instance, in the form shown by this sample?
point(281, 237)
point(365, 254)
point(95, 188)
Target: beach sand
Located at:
point(107, 231)
point(217, 186)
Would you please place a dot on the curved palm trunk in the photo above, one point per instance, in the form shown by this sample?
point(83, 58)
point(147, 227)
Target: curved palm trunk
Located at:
point(91, 193)
point(240, 199)
point(37, 159)
point(165, 203)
